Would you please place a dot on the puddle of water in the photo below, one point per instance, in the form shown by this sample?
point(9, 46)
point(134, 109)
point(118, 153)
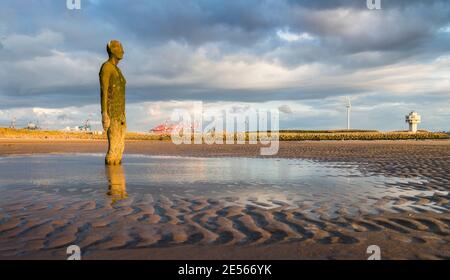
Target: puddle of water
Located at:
point(262, 182)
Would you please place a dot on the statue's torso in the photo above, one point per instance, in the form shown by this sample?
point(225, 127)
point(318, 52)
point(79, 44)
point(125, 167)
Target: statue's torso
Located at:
point(116, 95)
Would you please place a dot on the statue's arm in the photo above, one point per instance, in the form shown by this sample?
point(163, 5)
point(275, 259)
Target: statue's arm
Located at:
point(105, 74)
point(104, 84)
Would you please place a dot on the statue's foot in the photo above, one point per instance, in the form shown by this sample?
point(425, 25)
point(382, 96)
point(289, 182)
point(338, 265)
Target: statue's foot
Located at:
point(113, 161)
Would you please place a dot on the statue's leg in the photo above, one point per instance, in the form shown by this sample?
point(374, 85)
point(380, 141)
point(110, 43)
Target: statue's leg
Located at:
point(109, 154)
point(116, 140)
point(121, 140)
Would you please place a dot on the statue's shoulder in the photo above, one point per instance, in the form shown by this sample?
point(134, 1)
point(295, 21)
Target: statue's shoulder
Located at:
point(107, 67)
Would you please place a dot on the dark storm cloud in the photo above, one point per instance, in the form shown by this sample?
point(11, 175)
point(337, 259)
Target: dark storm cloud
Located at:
point(401, 26)
point(357, 4)
point(242, 23)
point(52, 98)
point(80, 96)
point(196, 22)
point(245, 23)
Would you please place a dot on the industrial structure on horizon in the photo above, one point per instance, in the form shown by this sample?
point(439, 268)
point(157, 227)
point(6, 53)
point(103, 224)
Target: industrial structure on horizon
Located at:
point(413, 119)
point(168, 127)
point(33, 126)
point(86, 127)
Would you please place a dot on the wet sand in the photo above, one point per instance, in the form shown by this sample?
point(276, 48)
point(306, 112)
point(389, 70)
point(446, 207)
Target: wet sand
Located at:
point(143, 227)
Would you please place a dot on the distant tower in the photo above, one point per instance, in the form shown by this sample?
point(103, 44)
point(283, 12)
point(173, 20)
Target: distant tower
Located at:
point(13, 123)
point(349, 107)
point(413, 119)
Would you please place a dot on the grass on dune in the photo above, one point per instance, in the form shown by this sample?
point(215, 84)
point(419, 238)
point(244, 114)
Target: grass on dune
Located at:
point(284, 135)
point(54, 134)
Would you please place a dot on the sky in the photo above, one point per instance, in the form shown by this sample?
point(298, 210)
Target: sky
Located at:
point(301, 57)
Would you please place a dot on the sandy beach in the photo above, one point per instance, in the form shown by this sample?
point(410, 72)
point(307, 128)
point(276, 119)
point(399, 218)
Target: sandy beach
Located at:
point(200, 227)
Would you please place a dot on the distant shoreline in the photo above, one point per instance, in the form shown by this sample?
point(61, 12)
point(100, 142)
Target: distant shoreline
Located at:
point(284, 135)
point(321, 150)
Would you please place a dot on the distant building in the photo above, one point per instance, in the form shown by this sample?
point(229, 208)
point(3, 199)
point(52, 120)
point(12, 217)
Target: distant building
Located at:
point(82, 129)
point(75, 128)
point(32, 126)
point(86, 127)
point(413, 119)
point(168, 128)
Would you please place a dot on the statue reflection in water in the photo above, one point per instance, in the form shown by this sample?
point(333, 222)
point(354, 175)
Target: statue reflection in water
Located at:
point(117, 188)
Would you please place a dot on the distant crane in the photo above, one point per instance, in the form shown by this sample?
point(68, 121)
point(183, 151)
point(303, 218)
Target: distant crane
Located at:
point(86, 126)
point(348, 105)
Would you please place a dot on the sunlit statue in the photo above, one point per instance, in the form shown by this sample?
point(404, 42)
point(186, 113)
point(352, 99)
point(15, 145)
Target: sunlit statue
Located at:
point(112, 94)
point(117, 188)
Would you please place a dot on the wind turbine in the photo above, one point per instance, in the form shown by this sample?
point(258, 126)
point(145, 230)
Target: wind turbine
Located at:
point(348, 105)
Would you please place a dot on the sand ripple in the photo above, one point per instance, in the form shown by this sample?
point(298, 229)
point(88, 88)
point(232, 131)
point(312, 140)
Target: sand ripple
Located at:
point(146, 222)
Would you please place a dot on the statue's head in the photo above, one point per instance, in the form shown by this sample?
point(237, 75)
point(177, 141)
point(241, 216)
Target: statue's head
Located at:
point(115, 49)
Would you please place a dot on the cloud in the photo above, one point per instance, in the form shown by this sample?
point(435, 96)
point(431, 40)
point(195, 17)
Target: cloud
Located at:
point(445, 29)
point(293, 37)
point(22, 46)
point(285, 109)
